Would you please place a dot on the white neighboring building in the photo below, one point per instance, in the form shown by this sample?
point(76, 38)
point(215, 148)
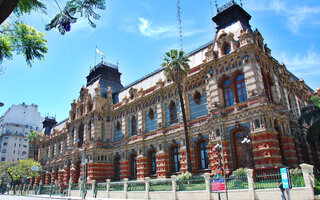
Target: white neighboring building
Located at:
point(15, 125)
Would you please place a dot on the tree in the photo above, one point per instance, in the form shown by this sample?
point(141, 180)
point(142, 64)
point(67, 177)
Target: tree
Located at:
point(22, 170)
point(34, 138)
point(310, 117)
point(176, 68)
point(23, 39)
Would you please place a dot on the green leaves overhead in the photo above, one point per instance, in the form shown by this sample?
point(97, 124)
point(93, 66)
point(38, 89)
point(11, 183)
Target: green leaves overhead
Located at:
point(67, 16)
point(26, 6)
point(23, 39)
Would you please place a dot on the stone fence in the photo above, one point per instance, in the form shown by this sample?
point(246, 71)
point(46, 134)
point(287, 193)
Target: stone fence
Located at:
point(200, 188)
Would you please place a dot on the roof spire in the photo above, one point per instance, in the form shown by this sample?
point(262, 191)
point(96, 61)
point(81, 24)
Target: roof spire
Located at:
point(216, 4)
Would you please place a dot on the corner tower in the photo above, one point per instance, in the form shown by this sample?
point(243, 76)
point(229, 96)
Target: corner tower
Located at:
point(107, 75)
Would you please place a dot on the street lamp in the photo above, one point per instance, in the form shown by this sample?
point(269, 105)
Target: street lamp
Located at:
point(247, 141)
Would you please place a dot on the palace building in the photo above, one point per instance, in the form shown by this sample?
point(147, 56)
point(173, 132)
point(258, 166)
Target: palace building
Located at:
point(235, 94)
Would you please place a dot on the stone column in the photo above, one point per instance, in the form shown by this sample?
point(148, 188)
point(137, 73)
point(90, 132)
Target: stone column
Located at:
point(141, 167)
point(307, 171)
point(174, 186)
point(162, 164)
point(60, 176)
point(66, 175)
point(251, 194)
point(124, 173)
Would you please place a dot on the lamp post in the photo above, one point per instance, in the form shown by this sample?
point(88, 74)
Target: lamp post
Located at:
point(219, 148)
point(84, 164)
point(247, 141)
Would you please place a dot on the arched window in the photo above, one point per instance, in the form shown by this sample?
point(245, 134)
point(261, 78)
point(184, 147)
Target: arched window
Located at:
point(151, 114)
point(133, 125)
point(174, 158)
point(118, 126)
point(173, 112)
point(116, 167)
point(241, 88)
point(226, 49)
point(197, 97)
point(202, 154)
point(267, 85)
point(228, 94)
point(80, 135)
point(152, 161)
point(133, 165)
point(89, 130)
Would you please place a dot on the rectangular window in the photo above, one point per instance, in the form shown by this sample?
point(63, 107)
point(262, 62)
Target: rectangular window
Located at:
point(4, 151)
point(3, 159)
point(24, 153)
point(25, 146)
point(6, 137)
point(5, 144)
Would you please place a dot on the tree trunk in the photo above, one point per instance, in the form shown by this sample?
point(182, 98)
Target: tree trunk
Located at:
point(186, 134)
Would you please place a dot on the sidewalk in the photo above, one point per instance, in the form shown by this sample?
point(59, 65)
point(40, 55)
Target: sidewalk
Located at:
point(74, 198)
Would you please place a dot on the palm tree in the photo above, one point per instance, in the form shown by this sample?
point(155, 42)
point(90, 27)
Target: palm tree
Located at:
point(34, 139)
point(176, 68)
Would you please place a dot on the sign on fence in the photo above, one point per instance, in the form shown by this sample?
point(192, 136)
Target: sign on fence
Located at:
point(286, 182)
point(218, 185)
point(34, 168)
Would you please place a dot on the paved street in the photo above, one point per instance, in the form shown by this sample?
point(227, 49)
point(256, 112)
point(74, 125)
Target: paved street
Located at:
point(44, 197)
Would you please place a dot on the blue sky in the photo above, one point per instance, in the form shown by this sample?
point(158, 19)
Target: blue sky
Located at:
point(138, 33)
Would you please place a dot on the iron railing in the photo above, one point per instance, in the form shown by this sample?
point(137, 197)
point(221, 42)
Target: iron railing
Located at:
point(191, 184)
point(161, 185)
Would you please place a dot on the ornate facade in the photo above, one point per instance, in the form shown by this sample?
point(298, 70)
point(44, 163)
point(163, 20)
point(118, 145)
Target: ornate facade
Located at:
point(235, 94)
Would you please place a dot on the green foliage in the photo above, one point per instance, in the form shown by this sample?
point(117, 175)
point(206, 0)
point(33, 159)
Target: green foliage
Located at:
point(34, 137)
point(239, 173)
point(26, 6)
point(184, 176)
point(176, 65)
point(74, 8)
point(26, 40)
point(22, 39)
point(23, 169)
point(315, 100)
point(310, 117)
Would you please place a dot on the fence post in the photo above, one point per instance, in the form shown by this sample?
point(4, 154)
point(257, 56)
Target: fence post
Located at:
point(206, 177)
point(108, 187)
point(307, 171)
point(147, 182)
point(70, 185)
point(174, 186)
point(125, 187)
point(93, 187)
point(40, 187)
point(80, 189)
point(251, 194)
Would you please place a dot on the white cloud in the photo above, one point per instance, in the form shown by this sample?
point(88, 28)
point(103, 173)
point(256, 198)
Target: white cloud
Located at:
point(295, 15)
point(148, 29)
point(303, 65)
